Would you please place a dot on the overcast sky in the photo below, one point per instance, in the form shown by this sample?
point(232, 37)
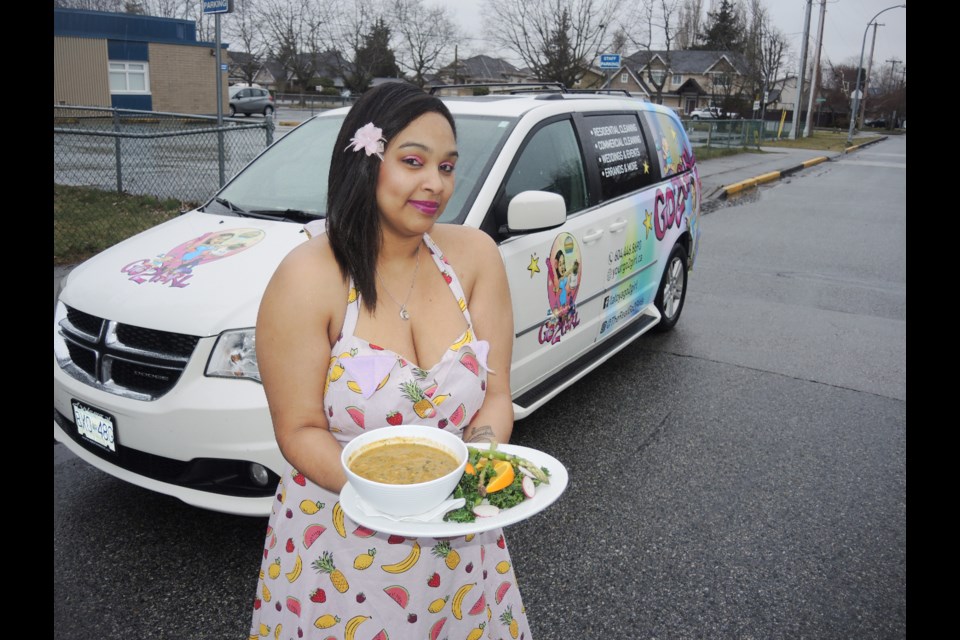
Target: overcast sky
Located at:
point(843, 30)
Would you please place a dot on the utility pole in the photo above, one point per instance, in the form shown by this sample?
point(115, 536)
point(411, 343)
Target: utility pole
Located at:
point(814, 80)
point(893, 70)
point(794, 122)
point(866, 79)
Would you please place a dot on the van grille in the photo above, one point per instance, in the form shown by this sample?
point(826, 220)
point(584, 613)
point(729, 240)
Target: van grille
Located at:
point(124, 359)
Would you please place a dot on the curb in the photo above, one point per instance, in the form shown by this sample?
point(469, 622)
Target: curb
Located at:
point(750, 183)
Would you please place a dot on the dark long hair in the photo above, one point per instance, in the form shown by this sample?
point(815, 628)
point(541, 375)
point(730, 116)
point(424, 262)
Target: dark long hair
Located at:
point(353, 218)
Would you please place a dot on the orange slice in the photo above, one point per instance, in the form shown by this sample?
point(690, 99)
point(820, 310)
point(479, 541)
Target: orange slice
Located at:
point(502, 476)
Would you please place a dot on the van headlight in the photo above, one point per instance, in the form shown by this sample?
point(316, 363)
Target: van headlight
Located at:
point(234, 356)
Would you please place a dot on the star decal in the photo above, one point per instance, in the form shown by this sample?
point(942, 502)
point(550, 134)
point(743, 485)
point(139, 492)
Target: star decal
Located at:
point(648, 222)
point(646, 167)
point(673, 132)
point(534, 266)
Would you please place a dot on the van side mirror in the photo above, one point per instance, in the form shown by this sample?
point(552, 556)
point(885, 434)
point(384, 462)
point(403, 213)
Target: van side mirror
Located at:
point(535, 210)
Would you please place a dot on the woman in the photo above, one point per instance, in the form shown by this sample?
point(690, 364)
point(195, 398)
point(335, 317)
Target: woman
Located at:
point(364, 327)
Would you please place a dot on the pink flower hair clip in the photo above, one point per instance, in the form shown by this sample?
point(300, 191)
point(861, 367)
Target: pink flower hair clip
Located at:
point(370, 139)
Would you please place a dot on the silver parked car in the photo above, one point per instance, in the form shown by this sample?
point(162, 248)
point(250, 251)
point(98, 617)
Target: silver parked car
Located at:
point(249, 100)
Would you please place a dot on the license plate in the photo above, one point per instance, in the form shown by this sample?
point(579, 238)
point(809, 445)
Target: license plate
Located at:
point(95, 426)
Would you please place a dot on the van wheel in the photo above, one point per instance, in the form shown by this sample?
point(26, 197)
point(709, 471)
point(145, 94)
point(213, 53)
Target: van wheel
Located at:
point(673, 289)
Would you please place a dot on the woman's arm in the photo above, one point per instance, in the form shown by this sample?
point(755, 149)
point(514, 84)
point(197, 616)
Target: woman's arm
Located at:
point(293, 350)
point(491, 312)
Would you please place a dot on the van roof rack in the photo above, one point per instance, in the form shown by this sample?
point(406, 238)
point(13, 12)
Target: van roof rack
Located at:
point(602, 91)
point(512, 87)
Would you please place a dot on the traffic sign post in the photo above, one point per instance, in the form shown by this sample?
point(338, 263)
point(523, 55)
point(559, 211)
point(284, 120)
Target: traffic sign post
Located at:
point(216, 7)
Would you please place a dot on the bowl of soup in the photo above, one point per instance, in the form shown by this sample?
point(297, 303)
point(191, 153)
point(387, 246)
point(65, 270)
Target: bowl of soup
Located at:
point(404, 470)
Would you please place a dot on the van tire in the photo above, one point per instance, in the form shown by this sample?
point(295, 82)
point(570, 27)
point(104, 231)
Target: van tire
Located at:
point(673, 289)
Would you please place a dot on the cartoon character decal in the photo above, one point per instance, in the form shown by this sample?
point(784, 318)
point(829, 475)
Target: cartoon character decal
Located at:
point(564, 272)
point(673, 150)
point(176, 266)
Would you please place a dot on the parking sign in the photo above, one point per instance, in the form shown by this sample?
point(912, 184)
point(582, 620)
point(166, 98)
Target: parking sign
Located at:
point(218, 6)
point(610, 61)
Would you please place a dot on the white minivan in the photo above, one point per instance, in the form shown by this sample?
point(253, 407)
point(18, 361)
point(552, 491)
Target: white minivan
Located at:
point(594, 202)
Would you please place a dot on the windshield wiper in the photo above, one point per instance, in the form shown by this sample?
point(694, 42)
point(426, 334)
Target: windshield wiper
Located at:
point(261, 215)
point(290, 215)
point(229, 205)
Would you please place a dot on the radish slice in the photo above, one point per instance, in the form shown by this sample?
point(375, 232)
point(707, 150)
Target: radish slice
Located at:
point(529, 488)
point(526, 472)
point(486, 510)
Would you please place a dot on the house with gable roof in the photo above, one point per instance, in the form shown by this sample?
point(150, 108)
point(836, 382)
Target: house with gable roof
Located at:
point(691, 79)
point(478, 70)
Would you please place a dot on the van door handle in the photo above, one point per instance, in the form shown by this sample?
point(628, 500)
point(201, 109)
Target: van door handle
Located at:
point(617, 226)
point(592, 236)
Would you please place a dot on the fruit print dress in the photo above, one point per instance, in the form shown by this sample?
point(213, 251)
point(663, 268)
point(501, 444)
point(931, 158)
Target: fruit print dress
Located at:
point(326, 577)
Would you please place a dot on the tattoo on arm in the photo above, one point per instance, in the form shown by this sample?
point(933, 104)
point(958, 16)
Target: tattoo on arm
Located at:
point(480, 434)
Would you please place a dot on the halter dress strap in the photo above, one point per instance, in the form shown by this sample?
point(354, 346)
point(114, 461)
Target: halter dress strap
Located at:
point(449, 275)
point(353, 311)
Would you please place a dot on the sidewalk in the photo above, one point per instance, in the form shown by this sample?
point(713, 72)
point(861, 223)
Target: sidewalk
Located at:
point(721, 177)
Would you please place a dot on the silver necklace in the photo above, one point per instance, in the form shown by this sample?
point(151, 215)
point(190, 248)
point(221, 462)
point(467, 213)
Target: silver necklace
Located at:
point(404, 314)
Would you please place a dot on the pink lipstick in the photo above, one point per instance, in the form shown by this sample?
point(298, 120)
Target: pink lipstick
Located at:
point(427, 207)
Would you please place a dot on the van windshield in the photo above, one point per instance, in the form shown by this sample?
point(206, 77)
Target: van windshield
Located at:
point(291, 176)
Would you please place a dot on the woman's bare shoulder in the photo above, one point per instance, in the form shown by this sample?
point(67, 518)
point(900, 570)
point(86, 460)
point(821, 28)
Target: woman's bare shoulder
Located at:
point(311, 270)
point(465, 245)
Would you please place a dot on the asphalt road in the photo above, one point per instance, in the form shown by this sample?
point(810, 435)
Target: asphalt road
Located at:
point(743, 476)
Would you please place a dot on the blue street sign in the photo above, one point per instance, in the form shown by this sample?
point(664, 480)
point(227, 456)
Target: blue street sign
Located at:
point(609, 60)
point(218, 6)
point(223, 66)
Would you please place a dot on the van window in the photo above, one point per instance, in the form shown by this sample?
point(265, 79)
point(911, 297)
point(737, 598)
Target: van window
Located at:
point(674, 153)
point(620, 151)
point(550, 161)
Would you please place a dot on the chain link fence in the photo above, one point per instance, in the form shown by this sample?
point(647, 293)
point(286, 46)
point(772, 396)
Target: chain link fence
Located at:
point(725, 133)
point(167, 155)
point(117, 172)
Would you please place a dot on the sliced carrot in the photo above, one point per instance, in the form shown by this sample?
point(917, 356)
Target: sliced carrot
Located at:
point(502, 478)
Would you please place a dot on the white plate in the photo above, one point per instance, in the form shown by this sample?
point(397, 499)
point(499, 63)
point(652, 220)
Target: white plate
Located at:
point(546, 495)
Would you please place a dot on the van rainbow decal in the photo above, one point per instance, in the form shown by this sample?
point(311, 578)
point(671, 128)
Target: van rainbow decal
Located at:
point(177, 266)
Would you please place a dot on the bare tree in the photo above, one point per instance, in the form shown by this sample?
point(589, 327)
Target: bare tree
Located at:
point(424, 35)
point(294, 31)
point(689, 24)
point(659, 24)
point(243, 30)
point(558, 39)
point(113, 6)
point(361, 33)
point(771, 57)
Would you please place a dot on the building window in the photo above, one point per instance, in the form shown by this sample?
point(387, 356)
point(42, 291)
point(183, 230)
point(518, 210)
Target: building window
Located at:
point(721, 80)
point(129, 77)
point(657, 77)
point(623, 78)
point(677, 79)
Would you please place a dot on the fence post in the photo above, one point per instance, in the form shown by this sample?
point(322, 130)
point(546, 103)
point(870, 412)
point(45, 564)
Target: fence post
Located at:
point(220, 159)
point(116, 149)
point(270, 127)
